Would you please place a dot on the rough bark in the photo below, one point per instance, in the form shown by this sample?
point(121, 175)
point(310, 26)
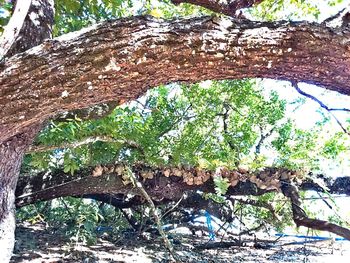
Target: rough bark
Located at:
point(120, 60)
point(93, 112)
point(30, 24)
point(11, 153)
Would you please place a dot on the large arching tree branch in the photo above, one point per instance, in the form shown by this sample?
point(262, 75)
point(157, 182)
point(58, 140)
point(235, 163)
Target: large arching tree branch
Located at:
point(164, 184)
point(120, 60)
point(109, 180)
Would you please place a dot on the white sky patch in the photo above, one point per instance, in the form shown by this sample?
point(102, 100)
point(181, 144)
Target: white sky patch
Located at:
point(206, 84)
point(4, 13)
point(307, 115)
point(224, 22)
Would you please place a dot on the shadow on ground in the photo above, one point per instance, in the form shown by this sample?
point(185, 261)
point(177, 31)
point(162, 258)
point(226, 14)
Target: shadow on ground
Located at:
point(35, 243)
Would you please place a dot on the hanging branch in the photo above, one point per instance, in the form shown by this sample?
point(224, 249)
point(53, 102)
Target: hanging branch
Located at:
point(324, 106)
point(139, 185)
point(173, 207)
point(301, 219)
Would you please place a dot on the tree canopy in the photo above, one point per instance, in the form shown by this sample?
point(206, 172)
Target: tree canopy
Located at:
point(164, 94)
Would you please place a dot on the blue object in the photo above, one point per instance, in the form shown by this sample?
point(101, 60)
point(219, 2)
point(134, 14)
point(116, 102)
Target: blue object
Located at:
point(310, 237)
point(210, 226)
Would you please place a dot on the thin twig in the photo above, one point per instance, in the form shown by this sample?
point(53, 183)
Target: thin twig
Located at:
point(139, 185)
point(263, 137)
point(67, 208)
point(324, 106)
point(172, 208)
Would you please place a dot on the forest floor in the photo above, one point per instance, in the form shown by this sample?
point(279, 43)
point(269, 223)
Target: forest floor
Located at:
point(35, 243)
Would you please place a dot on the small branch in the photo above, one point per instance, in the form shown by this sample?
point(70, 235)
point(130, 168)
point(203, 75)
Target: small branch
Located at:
point(263, 137)
point(339, 19)
point(322, 105)
point(139, 185)
point(295, 85)
point(173, 207)
point(67, 208)
point(254, 229)
point(227, 7)
point(88, 140)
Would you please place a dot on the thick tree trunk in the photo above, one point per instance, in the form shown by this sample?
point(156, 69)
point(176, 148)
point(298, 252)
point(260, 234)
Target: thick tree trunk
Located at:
point(29, 25)
point(11, 153)
point(120, 60)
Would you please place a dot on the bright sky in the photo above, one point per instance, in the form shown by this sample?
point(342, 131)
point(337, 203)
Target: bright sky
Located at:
point(307, 115)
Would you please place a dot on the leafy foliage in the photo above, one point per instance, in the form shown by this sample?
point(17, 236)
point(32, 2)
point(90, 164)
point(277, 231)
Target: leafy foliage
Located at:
point(273, 10)
point(5, 10)
point(81, 219)
point(211, 124)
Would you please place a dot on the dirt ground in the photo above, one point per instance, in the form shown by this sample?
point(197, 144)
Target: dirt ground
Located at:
point(38, 244)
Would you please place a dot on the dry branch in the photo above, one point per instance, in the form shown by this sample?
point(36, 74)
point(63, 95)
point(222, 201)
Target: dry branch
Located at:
point(154, 210)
